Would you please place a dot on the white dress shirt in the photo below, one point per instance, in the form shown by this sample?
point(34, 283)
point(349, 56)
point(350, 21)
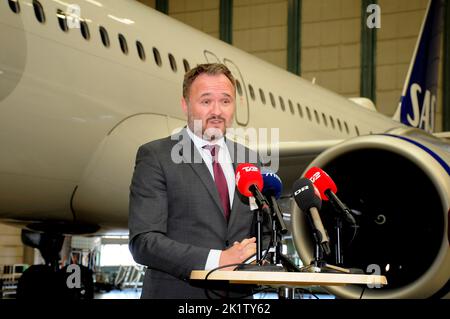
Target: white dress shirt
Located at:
point(224, 160)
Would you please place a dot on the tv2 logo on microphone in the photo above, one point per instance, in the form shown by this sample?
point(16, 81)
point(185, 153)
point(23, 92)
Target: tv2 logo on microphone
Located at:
point(247, 169)
point(315, 177)
point(250, 169)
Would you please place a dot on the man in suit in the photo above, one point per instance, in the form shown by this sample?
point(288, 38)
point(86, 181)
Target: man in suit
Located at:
point(185, 213)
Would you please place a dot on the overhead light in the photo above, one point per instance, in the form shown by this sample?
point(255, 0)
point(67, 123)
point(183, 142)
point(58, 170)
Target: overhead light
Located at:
point(121, 20)
point(95, 3)
point(62, 3)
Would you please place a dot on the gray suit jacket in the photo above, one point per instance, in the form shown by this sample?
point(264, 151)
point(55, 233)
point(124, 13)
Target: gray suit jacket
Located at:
point(175, 215)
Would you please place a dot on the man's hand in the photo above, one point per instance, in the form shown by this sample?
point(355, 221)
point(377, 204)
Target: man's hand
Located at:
point(239, 252)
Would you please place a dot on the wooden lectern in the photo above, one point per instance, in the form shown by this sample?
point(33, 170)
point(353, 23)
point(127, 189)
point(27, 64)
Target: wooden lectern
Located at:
point(289, 279)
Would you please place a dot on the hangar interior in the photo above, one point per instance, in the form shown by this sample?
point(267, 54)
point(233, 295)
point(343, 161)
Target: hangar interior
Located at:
point(320, 40)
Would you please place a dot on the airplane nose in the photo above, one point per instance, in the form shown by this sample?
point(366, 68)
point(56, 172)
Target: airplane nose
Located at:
point(13, 50)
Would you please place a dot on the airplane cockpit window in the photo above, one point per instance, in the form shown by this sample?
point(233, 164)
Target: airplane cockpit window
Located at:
point(173, 63)
point(39, 11)
point(357, 130)
point(308, 112)
point(140, 50)
point(105, 37)
point(123, 44)
point(291, 107)
point(339, 125)
point(300, 111)
point(332, 122)
point(346, 127)
point(262, 96)
point(282, 103)
point(84, 28)
point(272, 100)
point(187, 67)
point(324, 119)
point(157, 57)
point(239, 87)
point(252, 93)
point(317, 117)
point(62, 21)
point(14, 5)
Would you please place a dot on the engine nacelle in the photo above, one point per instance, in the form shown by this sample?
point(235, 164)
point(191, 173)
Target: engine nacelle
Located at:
point(400, 184)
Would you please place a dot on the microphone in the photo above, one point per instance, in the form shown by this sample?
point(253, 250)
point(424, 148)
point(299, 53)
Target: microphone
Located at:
point(308, 200)
point(328, 190)
point(249, 182)
point(272, 190)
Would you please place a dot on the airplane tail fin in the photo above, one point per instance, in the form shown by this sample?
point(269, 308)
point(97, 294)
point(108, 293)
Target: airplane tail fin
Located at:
point(417, 106)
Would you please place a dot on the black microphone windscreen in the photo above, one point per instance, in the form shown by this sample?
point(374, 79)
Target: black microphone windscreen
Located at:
point(305, 195)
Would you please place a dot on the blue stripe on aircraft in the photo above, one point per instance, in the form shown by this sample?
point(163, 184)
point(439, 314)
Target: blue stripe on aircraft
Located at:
point(426, 149)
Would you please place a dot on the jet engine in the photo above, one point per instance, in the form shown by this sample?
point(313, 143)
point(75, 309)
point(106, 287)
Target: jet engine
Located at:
point(398, 187)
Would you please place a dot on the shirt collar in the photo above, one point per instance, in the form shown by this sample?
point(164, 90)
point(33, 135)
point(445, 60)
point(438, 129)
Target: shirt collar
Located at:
point(200, 143)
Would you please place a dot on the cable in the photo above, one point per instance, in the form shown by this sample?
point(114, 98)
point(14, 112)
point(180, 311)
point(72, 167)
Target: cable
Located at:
point(222, 296)
point(362, 292)
point(216, 269)
point(355, 231)
point(270, 242)
point(309, 292)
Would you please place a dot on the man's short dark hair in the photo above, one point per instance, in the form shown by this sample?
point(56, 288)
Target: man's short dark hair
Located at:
point(207, 68)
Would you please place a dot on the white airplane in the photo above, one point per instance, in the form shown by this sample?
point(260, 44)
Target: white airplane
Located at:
point(75, 104)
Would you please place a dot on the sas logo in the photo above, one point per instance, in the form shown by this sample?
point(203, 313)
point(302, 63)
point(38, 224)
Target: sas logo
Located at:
point(422, 115)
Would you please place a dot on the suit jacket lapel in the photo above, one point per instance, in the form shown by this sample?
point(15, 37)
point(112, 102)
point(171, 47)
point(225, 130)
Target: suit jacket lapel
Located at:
point(192, 157)
point(234, 159)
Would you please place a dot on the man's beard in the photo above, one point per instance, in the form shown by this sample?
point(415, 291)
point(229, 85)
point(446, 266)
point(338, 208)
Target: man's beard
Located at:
point(210, 133)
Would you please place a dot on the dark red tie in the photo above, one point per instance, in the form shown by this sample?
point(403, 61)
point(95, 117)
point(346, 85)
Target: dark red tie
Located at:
point(220, 180)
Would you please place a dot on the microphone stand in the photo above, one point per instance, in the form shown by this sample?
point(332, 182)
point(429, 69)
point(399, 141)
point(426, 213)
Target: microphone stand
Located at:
point(260, 266)
point(338, 245)
point(279, 228)
point(344, 213)
point(318, 264)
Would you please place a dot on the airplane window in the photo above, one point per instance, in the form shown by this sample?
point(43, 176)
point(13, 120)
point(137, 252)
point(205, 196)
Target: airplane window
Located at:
point(272, 100)
point(357, 130)
point(84, 28)
point(300, 111)
point(332, 121)
point(239, 87)
point(173, 63)
point(252, 93)
point(262, 96)
point(308, 112)
point(14, 5)
point(291, 107)
point(282, 103)
point(324, 119)
point(62, 21)
point(105, 37)
point(140, 50)
point(187, 67)
point(157, 57)
point(123, 44)
point(317, 116)
point(339, 125)
point(346, 127)
point(39, 11)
